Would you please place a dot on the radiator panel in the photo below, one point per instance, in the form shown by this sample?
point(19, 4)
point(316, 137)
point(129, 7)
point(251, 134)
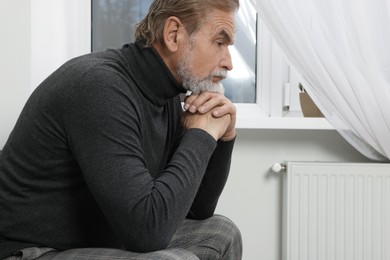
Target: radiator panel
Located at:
point(336, 211)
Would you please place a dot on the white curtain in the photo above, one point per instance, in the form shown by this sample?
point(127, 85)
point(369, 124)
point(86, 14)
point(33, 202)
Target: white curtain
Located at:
point(342, 50)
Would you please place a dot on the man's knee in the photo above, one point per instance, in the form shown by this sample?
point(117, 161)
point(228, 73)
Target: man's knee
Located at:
point(229, 237)
point(228, 228)
point(174, 254)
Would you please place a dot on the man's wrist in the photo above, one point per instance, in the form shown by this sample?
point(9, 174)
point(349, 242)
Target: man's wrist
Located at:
point(229, 136)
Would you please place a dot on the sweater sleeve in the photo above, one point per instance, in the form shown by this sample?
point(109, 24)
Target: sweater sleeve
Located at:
point(103, 125)
point(213, 181)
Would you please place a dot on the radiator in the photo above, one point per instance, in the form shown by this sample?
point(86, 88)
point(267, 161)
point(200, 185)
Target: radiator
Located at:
point(336, 211)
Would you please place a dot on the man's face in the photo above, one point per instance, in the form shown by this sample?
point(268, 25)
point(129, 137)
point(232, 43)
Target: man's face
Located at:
point(207, 59)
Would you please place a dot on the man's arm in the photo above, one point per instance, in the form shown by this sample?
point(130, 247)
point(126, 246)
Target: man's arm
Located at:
point(216, 106)
point(213, 182)
point(104, 127)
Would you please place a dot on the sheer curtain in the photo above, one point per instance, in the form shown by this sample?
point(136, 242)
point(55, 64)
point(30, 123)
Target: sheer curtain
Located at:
point(342, 50)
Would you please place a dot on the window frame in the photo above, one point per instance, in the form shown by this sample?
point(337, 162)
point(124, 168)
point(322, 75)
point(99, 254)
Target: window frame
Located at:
point(69, 20)
point(276, 85)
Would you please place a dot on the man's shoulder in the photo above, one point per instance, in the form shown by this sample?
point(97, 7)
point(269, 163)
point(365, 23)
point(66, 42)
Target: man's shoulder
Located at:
point(105, 59)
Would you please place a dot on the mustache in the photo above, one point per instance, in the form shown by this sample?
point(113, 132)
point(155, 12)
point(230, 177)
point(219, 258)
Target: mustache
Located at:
point(222, 73)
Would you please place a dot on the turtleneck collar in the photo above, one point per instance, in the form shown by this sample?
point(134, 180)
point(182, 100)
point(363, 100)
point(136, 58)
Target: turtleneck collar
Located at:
point(154, 78)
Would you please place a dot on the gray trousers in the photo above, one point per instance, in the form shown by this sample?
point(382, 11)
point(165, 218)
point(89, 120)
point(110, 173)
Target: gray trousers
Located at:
point(213, 238)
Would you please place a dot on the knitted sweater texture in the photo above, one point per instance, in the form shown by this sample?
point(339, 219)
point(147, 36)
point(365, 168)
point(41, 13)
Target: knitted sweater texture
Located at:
point(98, 158)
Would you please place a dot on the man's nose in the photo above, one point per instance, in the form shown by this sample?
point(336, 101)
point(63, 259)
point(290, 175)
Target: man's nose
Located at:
point(226, 61)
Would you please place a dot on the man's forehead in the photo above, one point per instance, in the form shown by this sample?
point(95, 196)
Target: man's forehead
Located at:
point(222, 24)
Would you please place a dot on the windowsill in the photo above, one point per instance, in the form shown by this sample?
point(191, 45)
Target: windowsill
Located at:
point(283, 123)
point(248, 118)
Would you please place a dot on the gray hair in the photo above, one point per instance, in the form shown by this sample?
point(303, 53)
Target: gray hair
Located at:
point(190, 12)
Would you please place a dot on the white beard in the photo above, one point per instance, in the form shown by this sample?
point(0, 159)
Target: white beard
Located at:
point(196, 85)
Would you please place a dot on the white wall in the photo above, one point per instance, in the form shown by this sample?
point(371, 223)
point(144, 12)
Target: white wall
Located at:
point(36, 38)
point(58, 33)
point(253, 195)
point(14, 62)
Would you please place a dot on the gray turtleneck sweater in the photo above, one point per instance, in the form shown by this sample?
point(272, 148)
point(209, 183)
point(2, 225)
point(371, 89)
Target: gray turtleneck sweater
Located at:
point(98, 158)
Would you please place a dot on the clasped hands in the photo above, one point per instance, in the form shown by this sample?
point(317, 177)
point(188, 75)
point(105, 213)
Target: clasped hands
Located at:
point(212, 112)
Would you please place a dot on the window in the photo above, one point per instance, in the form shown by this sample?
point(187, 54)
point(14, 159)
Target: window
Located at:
point(113, 25)
point(61, 30)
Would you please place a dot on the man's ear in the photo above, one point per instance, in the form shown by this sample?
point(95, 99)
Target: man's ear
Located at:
point(173, 33)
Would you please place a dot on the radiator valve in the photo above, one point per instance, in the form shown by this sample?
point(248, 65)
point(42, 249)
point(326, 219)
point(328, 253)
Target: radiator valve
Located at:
point(278, 167)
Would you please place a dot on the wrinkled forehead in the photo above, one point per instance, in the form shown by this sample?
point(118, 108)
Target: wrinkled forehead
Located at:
point(222, 24)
